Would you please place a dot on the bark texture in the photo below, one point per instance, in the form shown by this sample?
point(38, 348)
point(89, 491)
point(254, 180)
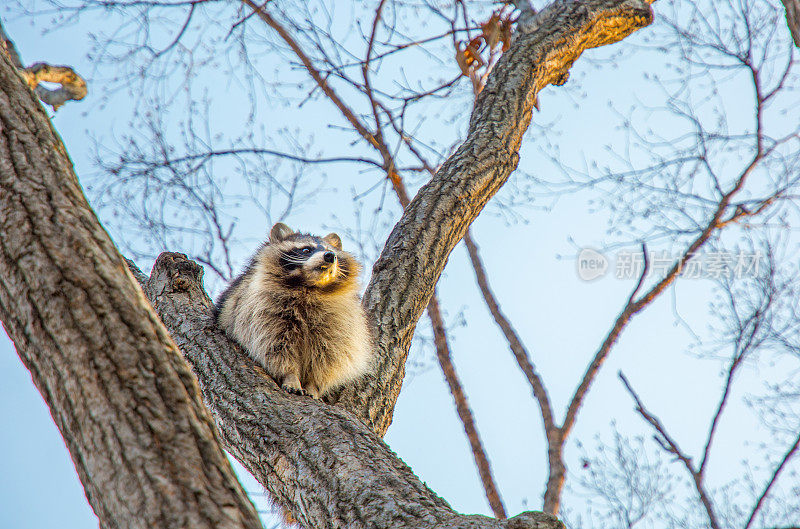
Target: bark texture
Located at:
point(129, 409)
point(417, 249)
point(793, 19)
point(319, 461)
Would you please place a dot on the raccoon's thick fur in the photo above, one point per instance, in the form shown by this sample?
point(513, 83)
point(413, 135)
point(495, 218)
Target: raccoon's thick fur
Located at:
point(296, 311)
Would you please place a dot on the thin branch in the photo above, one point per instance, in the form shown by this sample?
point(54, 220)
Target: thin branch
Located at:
point(204, 156)
point(514, 342)
point(669, 445)
point(462, 407)
point(772, 481)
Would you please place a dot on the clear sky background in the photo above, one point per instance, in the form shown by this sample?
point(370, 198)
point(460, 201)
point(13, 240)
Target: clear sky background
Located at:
point(532, 268)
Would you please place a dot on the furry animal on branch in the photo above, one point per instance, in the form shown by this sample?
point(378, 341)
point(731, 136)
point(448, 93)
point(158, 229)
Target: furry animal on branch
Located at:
point(296, 310)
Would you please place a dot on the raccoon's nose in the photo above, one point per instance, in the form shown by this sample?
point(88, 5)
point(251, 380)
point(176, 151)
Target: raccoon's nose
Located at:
point(329, 257)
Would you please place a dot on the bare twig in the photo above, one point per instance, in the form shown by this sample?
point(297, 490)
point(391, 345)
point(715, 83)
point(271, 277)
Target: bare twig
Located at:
point(463, 408)
point(514, 342)
point(167, 161)
point(772, 481)
point(670, 445)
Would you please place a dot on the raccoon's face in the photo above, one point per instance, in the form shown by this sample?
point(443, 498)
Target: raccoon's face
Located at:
point(309, 261)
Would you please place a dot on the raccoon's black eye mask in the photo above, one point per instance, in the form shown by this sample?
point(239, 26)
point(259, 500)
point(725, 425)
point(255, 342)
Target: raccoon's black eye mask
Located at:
point(295, 257)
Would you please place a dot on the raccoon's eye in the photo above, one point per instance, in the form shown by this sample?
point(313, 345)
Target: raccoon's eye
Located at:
point(306, 251)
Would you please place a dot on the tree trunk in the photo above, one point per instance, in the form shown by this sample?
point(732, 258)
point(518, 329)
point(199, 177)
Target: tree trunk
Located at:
point(129, 409)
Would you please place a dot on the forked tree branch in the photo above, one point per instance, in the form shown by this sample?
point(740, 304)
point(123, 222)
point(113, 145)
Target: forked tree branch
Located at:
point(145, 447)
point(320, 462)
point(301, 469)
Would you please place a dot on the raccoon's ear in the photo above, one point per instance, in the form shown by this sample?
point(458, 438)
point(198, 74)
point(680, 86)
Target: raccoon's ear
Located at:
point(279, 232)
point(333, 240)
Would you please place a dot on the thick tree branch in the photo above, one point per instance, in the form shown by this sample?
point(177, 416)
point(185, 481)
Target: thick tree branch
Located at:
point(319, 461)
point(416, 252)
point(128, 407)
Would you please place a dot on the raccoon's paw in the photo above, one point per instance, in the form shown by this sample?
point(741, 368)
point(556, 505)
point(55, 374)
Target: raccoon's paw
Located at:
point(312, 391)
point(291, 383)
point(295, 391)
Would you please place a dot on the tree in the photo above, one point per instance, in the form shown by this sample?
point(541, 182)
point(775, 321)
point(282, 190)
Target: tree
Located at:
point(85, 307)
point(417, 250)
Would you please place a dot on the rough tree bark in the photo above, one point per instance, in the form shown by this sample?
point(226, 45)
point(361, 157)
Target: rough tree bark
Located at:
point(793, 19)
point(129, 409)
point(127, 405)
point(320, 462)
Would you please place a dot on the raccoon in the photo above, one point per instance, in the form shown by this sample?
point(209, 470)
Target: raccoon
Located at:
point(296, 311)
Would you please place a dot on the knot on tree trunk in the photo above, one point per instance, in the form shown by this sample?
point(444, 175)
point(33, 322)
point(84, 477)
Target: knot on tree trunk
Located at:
point(173, 273)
